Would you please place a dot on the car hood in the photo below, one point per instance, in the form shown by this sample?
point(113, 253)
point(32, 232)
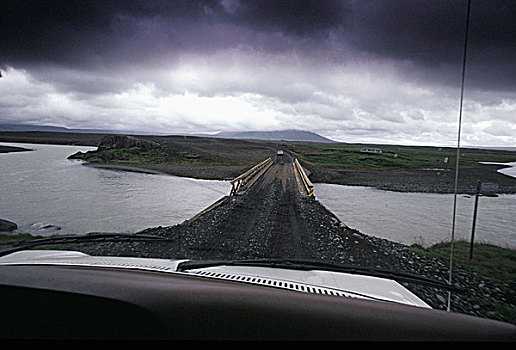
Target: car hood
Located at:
point(315, 281)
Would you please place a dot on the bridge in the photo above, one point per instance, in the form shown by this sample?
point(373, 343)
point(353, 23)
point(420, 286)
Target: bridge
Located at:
point(270, 212)
point(284, 167)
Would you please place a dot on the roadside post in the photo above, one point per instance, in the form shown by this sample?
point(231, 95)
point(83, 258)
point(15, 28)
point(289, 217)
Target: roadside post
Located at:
point(486, 189)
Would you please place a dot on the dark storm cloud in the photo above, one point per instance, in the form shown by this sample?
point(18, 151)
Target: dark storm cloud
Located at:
point(116, 32)
point(433, 31)
point(431, 34)
point(303, 18)
point(383, 68)
point(78, 32)
point(74, 32)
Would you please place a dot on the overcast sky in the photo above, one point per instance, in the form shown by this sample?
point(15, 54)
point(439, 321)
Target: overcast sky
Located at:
point(354, 71)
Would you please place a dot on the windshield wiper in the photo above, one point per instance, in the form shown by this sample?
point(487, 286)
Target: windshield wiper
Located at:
point(89, 237)
point(307, 265)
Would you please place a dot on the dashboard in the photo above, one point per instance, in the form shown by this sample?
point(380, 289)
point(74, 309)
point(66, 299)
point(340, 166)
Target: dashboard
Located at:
point(70, 302)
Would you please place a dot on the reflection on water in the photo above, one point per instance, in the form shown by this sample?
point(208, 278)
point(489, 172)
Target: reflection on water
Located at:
point(421, 217)
point(44, 193)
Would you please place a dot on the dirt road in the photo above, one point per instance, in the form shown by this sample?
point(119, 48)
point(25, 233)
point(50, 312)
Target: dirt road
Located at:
point(273, 219)
point(265, 221)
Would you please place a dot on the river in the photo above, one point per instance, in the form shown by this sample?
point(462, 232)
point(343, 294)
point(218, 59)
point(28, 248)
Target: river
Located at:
point(45, 193)
point(423, 218)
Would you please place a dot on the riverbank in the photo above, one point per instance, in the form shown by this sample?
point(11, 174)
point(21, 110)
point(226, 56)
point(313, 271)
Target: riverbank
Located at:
point(399, 180)
point(409, 169)
point(420, 180)
point(397, 168)
point(207, 172)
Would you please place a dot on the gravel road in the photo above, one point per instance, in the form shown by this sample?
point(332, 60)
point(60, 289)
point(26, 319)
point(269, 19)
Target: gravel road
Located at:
point(273, 219)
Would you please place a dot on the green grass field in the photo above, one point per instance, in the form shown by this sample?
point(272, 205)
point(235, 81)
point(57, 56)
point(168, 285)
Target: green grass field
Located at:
point(392, 156)
point(488, 262)
point(134, 155)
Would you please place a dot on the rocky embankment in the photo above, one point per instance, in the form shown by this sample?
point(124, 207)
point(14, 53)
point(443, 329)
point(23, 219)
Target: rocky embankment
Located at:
point(419, 180)
point(7, 226)
point(119, 142)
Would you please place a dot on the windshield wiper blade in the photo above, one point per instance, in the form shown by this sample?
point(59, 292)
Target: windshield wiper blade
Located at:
point(307, 264)
point(89, 237)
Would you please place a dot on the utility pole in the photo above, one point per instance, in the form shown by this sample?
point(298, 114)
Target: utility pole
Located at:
point(477, 194)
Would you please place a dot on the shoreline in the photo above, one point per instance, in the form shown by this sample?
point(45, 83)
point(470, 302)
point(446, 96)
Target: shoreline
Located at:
point(128, 168)
point(221, 174)
point(420, 181)
point(406, 180)
point(215, 173)
point(11, 149)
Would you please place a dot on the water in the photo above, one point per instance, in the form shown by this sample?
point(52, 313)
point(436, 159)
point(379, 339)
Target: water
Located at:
point(44, 193)
point(42, 188)
point(421, 217)
point(510, 171)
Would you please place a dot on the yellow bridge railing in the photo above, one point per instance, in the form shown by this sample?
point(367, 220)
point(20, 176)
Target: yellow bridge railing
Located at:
point(309, 187)
point(249, 176)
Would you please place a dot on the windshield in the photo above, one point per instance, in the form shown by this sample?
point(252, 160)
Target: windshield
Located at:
point(376, 135)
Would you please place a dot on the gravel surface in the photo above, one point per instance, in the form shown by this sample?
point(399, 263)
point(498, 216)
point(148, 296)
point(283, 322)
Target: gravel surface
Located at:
point(273, 220)
point(419, 180)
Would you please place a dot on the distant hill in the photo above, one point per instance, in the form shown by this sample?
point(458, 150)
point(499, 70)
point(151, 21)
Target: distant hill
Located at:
point(49, 128)
point(283, 135)
point(27, 127)
point(500, 148)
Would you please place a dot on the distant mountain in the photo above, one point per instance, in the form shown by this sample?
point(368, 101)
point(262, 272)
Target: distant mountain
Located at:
point(27, 127)
point(283, 135)
point(49, 128)
point(500, 148)
point(491, 148)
